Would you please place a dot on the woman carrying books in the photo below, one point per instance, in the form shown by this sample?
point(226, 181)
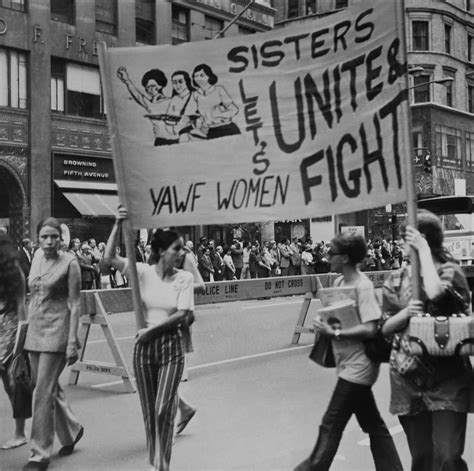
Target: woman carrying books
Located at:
point(356, 372)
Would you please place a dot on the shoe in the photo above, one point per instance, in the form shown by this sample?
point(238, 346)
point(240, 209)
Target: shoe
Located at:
point(13, 443)
point(68, 449)
point(35, 466)
point(181, 426)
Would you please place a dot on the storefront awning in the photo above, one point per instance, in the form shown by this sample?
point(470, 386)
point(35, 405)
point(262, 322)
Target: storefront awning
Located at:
point(81, 185)
point(93, 204)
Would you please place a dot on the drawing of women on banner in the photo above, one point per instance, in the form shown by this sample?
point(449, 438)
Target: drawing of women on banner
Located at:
point(197, 109)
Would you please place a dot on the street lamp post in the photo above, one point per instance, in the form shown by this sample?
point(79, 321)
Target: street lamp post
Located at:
point(441, 81)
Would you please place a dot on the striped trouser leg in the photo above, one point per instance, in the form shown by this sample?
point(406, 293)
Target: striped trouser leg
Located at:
point(146, 374)
point(158, 367)
point(169, 378)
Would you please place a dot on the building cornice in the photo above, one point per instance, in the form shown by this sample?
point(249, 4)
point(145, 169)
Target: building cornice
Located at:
point(422, 55)
point(444, 108)
point(460, 19)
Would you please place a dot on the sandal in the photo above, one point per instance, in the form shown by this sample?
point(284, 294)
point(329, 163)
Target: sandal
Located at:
point(13, 443)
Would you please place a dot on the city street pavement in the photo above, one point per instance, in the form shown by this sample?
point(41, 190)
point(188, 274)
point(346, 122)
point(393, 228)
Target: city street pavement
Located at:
point(259, 400)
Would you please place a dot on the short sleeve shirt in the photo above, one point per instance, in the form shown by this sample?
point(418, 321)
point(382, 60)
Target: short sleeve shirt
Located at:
point(352, 363)
point(162, 298)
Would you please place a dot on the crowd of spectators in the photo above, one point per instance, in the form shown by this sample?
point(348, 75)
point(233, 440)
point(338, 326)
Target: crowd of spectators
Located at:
point(239, 260)
point(243, 260)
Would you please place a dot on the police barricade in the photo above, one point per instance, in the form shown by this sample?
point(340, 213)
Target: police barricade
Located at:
point(98, 305)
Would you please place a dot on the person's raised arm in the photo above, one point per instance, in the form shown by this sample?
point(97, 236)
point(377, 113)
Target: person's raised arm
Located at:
point(74, 304)
point(136, 94)
point(110, 254)
point(431, 280)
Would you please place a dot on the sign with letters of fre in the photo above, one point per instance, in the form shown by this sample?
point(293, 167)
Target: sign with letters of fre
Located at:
point(303, 121)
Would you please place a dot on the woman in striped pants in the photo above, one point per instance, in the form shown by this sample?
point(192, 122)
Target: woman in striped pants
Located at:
point(158, 359)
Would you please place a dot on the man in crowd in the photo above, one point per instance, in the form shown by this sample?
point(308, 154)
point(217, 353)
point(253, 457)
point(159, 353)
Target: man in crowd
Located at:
point(84, 257)
point(237, 257)
point(140, 251)
point(218, 264)
point(285, 262)
point(25, 256)
point(245, 260)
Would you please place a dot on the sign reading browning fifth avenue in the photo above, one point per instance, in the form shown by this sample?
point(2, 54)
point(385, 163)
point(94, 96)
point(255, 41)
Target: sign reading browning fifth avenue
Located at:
point(305, 121)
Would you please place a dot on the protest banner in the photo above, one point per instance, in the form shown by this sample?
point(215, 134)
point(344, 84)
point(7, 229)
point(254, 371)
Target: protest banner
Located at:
point(304, 121)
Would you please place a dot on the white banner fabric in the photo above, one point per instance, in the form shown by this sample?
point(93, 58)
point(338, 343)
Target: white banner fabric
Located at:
point(303, 121)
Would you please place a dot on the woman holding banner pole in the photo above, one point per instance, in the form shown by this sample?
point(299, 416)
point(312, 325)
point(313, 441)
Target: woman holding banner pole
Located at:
point(158, 359)
point(429, 394)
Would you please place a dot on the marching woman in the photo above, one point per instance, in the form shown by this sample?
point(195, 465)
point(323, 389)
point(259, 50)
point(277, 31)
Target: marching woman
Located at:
point(356, 372)
point(158, 358)
point(51, 340)
point(429, 394)
point(12, 310)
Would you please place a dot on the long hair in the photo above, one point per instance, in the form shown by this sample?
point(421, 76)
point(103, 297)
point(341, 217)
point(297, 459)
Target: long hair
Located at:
point(10, 275)
point(161, 240)
point(187, 81)
point(430, 226)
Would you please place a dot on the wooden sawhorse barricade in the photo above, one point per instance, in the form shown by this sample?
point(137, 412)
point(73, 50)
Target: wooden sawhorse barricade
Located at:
point(96, 306)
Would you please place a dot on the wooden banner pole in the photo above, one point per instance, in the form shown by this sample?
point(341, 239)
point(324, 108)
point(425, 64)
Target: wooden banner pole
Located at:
point(120, 172)
point(412, 206)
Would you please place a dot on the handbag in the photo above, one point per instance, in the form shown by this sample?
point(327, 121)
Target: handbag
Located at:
point(8, 330)
point(378, 348)
point(322, 352)
point(416, 369)
point(21, 384)
point(441, 336)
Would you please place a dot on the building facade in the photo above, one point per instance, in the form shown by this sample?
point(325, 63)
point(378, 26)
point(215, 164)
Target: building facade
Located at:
point(55, 155)
point(440, 44)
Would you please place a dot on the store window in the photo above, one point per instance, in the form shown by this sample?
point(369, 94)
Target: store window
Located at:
point(418, 148)
point(448, 146)
point(58, 78)
point(450, 87)
point(470, 98)
point(470, 150)
point(448, 31)
point(341, 4)
point(311, 7)
point(179, 25)
point(243, 30)
point(13, 70)
point(420, 35)
point(18, 5)
point(83, 91)
point(293, 9)
point(63, 11)
point(106, 16)
point(76, 90)
point(212, 26)
point(145, 21)
point(421, 88)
